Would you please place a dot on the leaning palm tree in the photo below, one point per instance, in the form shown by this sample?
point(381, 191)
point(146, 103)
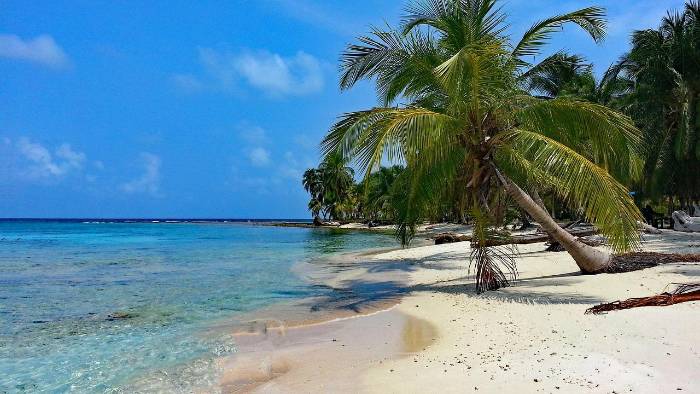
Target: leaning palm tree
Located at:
point(466, 114)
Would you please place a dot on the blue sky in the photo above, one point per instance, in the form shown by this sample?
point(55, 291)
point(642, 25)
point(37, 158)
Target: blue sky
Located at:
point(197, 109)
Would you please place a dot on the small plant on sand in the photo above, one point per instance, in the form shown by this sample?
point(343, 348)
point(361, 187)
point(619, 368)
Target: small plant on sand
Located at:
point(455, 108)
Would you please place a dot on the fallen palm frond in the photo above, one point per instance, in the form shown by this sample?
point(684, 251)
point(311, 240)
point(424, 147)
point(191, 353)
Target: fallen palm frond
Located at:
point(683, 293)
point(640, 260)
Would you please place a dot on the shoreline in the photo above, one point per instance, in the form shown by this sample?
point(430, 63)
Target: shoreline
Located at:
point(271, 340)
point(532, 336)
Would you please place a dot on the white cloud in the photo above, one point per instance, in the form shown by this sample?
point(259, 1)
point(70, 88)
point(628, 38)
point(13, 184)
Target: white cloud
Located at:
point(276, 75)
point(256, 139)
point(188, 83)
point(281, 179)
point(44, 164)
point(320, 15)
point(291, 168)
point(624, 19)
point(72, 158)
point(256, 184)
point(42, 49)
point(252, 134)
point(149, 181)
point(268, 72)
point(306, 141)
point(259, 157)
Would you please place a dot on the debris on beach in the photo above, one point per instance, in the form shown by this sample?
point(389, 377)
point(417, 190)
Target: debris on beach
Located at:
point(683, 293)
point(635, 261)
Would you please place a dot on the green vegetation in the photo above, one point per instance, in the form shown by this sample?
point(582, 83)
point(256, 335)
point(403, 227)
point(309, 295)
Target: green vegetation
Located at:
point(483, 132)
point(658, 85)
point(336, 196)
point(330, 186)
point(665, 66)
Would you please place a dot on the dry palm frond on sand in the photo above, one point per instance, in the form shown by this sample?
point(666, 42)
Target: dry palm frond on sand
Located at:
point(640, 260)
point(683, 293)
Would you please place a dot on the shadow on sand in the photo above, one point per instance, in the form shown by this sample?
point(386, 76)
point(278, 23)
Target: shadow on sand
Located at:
point(387, 281)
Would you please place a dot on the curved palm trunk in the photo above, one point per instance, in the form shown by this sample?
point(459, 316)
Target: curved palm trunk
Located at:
point(588, 259)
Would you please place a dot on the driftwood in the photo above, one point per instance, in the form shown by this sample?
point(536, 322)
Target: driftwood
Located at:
point(448, 238)
point(683, 293)
point(645, 228)
point(444, 238)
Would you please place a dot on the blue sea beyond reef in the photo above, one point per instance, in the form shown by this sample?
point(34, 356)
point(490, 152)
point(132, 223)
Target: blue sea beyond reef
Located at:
point(95, 305)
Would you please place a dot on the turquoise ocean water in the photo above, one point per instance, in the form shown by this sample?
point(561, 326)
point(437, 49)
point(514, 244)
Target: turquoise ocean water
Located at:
point(93, 307)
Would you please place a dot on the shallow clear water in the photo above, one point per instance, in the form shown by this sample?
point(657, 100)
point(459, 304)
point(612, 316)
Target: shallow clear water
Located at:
point(95, 306)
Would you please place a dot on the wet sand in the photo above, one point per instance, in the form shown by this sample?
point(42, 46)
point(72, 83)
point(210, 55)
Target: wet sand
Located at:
point(328, 356)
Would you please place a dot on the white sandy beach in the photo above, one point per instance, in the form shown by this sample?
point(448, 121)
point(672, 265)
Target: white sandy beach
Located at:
point(531, 337)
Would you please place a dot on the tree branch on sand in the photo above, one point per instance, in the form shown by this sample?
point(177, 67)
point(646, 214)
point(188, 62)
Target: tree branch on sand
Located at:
point(450, 237)
point(683, 293)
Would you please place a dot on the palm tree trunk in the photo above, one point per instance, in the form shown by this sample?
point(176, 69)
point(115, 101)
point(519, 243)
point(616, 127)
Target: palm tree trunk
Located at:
point(536, 196)
point(588, 259)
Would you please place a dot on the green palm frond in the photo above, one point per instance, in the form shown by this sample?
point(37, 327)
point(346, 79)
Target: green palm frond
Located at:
point(460, 23)
point(614, 81)
point(420, 189)
point(366, 60)
point(609, 138)
point(429, 12)
point(549, 75)
point(604, 201)
point(590, 19)
point(473, 74)
point(521, 171)
point(397, 133)
point(401, 64)
point(665, 66)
